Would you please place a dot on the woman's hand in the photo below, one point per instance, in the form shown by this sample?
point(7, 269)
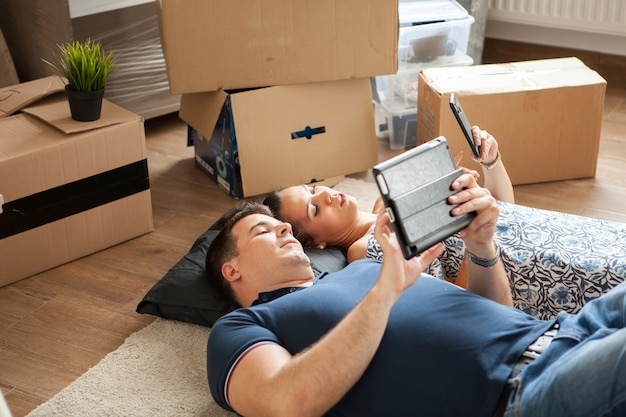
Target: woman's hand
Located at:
point(478, 235)
point(487, 144)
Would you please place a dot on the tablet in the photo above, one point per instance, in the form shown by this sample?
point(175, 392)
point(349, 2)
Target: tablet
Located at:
point(415, 187)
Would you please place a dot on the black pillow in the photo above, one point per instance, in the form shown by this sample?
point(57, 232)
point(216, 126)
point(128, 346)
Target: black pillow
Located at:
point(185, 294)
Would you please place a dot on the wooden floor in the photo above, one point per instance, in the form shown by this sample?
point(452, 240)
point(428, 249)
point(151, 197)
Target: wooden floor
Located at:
point(56, 325)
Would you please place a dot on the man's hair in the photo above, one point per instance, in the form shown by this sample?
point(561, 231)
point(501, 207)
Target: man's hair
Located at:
point(223, 248)
point(274, 201)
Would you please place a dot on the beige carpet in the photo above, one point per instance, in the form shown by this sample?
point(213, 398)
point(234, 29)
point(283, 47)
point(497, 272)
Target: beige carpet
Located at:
point(159, 370)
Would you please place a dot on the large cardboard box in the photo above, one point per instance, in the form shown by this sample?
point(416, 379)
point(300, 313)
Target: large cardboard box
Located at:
point(69, 188)
point(252, 142)
point(545, 114)
point(224, 44)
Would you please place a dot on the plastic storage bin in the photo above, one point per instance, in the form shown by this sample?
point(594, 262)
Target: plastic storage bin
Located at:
point(397, 123)
point(433, 33)
point(402, 86)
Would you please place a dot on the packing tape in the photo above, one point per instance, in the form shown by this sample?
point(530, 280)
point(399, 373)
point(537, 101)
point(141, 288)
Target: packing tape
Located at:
point(72, 198)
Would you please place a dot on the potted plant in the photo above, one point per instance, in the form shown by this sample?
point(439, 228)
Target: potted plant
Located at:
point(86, 67)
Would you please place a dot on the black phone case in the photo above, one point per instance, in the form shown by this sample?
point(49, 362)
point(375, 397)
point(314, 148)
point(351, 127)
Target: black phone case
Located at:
point(464, 123)
point(414, 187)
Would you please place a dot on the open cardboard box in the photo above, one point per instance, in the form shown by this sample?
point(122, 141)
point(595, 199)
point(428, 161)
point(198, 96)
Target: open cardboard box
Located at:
point(69, 188)
point(255, 141)
point(546, 114)
point(217, 44)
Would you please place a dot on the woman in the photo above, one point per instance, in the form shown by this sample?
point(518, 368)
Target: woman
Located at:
point(321, 216)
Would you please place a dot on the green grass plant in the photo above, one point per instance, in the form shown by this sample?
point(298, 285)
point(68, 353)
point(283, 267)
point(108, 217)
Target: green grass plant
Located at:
point(84, 64)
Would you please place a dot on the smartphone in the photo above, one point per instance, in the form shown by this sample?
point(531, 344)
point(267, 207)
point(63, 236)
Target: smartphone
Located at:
point(466, 127)
point(415, 186)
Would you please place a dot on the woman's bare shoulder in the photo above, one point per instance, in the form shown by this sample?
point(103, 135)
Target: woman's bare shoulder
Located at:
point(358, 249)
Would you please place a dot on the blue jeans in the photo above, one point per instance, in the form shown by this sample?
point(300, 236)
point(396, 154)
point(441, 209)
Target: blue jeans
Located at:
point(583, 371)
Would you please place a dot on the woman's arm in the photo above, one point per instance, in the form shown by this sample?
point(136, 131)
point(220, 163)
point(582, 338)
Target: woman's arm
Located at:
point(489, 279)
point(496, 177)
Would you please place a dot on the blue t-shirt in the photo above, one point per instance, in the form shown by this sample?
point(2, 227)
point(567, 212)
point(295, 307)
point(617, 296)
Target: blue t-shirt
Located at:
point(445, 352)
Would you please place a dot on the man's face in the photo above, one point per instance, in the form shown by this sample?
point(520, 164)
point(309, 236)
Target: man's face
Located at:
point(269, 255)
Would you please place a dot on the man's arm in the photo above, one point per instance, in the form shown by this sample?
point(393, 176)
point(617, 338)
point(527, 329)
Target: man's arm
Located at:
point(490, 282)
point(268, 381)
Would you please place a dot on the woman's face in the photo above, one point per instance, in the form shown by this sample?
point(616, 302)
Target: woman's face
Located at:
point(321, 212)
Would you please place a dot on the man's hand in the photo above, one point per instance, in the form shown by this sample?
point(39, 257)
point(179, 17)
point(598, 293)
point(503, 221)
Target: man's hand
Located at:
point(397, 271)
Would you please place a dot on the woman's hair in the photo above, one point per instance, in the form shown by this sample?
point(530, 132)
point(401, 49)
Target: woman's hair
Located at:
point(223, 248)
point(274, 201)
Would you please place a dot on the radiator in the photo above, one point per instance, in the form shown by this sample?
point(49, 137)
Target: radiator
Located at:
point(592, 25)
point(606, 17)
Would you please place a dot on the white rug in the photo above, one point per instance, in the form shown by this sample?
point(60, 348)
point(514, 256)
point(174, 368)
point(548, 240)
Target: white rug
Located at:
point(159, 370)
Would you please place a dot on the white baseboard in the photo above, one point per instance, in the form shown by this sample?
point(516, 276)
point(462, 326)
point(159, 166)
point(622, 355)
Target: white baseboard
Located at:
point(608, 44)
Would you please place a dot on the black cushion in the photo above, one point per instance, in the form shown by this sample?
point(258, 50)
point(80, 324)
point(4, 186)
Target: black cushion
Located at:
point(185, 294)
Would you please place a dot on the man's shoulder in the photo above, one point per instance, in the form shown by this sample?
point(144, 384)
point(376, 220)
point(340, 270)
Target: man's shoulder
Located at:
point(358, 267)
point(365, 263)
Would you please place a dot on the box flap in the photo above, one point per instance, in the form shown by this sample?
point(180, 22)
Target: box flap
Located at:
point(201, 110)
point(55, 111)
point(514, 76)
point(16, 97)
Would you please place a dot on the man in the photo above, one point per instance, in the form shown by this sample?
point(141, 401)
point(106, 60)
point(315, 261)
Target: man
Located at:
point(374, 340)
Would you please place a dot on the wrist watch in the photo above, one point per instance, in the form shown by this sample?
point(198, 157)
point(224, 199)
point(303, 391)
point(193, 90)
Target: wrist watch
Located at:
point(485, 263)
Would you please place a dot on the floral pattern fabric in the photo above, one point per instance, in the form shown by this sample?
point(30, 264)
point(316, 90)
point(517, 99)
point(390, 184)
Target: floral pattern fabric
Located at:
point(555, 261)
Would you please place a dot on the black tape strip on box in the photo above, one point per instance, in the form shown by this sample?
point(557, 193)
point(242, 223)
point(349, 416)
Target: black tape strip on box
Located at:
point(66, 200)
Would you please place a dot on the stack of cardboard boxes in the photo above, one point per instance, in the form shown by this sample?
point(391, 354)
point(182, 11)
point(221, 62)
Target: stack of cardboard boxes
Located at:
point(278, 93)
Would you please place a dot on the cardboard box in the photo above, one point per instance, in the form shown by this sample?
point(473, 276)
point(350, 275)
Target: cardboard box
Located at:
point(545, 114)
point(255, 141)
point(8, 76)
point(223, 44)
point(69, 188)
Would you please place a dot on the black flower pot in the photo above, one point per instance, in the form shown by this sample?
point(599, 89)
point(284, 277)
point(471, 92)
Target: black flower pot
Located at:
point(85, 106)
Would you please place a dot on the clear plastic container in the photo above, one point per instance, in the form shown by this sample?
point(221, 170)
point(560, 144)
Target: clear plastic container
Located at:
point(431, 30)
point(433, 33)
point(402, 86)
point(396, 123)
